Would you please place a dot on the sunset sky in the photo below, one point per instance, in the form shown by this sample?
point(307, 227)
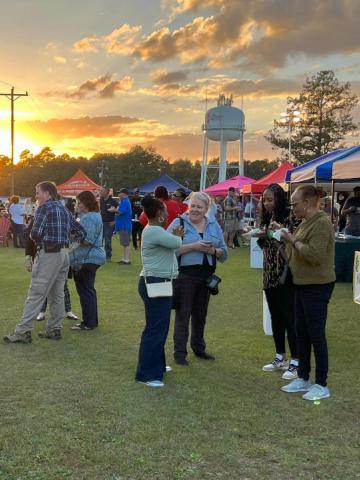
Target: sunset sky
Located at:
point(105, 75)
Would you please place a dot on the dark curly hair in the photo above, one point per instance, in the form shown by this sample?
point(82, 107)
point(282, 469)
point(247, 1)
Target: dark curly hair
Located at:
point(281, 208)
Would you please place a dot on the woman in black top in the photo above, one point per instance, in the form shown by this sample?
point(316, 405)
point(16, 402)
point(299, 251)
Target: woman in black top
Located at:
point(277, 283)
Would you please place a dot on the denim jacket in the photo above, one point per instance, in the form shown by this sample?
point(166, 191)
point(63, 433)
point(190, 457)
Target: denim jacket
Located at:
point(212, 233)
point(94, 252)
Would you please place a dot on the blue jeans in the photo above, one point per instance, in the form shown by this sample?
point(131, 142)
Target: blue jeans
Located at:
point(311, 302)
point(151, 364)
point(108, 231)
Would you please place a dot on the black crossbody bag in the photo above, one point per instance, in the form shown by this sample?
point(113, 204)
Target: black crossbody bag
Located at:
point(212, 281)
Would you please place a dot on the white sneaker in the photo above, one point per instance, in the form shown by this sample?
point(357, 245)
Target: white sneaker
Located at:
point(317, 392)
point(290, 373)
point(297, 385)
point(71, 316)
point(153, 383)
point(168, 368)
point(41, 316)
point(275, 365)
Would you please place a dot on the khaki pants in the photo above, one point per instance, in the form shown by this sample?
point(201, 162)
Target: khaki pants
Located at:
point(49, 273)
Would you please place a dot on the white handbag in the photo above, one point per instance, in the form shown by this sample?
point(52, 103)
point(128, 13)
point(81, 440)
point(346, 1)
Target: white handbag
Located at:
point(160, 289)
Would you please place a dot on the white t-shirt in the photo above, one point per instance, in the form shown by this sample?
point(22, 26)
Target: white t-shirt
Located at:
point(16, 210)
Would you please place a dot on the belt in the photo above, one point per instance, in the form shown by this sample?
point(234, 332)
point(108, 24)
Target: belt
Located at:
point(50, 247)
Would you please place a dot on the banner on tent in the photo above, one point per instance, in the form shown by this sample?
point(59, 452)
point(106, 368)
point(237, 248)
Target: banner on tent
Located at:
point(356, 278)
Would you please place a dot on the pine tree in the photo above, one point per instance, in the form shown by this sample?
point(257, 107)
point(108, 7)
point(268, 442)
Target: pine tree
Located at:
point(325, 107)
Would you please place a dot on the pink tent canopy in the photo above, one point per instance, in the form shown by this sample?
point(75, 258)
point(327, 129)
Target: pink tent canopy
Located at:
point(222, 188)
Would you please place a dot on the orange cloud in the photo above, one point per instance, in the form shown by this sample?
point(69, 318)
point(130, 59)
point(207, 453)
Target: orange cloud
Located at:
point(86, 45)
point(120, 41)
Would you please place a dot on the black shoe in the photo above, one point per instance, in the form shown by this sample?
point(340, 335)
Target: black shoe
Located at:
point(204, 355)
point(181, 361)
point(53, 335)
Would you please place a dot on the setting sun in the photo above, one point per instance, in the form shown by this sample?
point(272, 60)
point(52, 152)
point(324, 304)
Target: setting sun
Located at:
point(22, 142)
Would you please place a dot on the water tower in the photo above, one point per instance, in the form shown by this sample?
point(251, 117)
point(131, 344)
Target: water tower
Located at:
point(223, 124)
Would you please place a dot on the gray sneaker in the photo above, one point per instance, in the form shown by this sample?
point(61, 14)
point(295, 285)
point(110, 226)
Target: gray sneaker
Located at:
point(18, 337)
point(297, 385)
point(53, 335)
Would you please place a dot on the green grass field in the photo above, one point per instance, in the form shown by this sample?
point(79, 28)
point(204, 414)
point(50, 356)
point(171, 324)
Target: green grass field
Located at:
point(71, 409)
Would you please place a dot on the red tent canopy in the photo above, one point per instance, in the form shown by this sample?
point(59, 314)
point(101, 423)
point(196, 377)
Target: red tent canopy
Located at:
point(276, 176)
point(76, 184)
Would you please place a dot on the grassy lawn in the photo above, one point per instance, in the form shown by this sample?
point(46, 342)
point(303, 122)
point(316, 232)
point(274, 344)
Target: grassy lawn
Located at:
point(71, 409)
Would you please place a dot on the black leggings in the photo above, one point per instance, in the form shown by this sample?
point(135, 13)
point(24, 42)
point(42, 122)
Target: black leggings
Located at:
point(281, 305)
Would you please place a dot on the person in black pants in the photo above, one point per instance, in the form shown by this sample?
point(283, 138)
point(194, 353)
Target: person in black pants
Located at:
point(277, 284)
point(108, 218)
point(137, 228)
point(87, 258)
point(203, 244)
point(311, 259)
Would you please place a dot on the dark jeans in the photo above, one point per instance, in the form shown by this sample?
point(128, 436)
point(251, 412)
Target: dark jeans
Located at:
point(311, 302)
point(18, 235)
point(192, 301)
point(85, 286)
point(281, 305)
point(108, 231)
point(67, 300)
point(151, 363)
point(137, 229)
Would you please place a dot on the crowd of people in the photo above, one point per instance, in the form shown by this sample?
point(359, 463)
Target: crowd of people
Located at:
point(182, 239)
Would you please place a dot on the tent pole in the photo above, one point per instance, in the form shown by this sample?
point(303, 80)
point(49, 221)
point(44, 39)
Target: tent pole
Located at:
point(332, 200)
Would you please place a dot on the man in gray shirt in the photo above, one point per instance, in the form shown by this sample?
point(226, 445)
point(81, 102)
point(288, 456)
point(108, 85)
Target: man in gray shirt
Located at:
point(352, 211)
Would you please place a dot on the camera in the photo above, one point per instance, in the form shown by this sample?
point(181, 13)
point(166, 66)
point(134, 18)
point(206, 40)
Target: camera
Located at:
point(212, 284)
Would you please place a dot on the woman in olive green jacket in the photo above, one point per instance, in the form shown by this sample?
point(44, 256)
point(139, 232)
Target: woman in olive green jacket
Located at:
point(311, 260)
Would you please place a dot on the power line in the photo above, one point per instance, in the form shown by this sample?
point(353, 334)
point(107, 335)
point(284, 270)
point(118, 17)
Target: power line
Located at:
point(12, 96)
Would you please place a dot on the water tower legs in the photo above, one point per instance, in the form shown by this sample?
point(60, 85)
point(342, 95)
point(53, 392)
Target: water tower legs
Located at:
point(222, 161)
point(241, 154)
point(204, 163)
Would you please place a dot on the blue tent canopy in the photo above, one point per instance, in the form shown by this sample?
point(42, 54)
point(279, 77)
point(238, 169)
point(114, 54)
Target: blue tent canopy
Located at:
point(164, 180)
point(319, 169)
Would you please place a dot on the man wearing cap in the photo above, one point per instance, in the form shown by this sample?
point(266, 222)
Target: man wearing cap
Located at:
point(108, 218)
point(123, 224)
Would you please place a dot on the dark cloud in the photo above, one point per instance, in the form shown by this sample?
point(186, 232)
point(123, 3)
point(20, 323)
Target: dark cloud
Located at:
point(163, 76)
point(102, 87)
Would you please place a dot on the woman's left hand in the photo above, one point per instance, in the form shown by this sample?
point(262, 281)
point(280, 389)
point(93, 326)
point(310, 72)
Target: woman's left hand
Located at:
point(178, 231)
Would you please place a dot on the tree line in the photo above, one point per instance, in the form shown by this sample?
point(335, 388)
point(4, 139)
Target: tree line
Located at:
point(130, 169)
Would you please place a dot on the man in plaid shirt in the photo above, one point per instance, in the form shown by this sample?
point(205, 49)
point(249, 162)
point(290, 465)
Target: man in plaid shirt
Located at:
point(53, 225)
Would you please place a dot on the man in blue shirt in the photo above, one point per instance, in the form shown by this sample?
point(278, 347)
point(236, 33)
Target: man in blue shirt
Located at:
point(108, 218)
point(53, 225)
point(123, 224)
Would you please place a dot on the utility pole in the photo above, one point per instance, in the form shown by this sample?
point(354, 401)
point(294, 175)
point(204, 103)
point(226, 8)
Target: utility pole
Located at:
point(12, 96)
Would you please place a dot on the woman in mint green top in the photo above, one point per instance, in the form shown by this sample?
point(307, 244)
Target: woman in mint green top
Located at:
point(159, 265)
